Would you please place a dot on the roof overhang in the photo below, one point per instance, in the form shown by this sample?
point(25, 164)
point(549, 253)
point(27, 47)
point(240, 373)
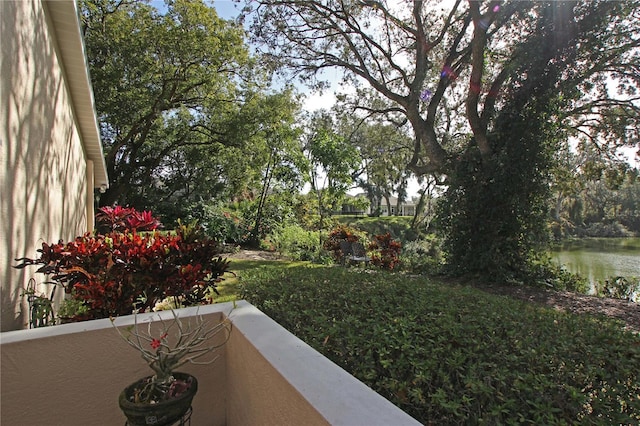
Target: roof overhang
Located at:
point(66, 24)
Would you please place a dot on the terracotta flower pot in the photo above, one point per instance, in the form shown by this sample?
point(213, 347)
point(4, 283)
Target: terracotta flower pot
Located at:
point(162, 413)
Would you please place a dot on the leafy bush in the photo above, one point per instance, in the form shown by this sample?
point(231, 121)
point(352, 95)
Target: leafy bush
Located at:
point(599, 229)
point(119, 219)
point(296, 243)
point(278, 209)
point(386, 251)
point(72, 308)
point(544, 272)
point(619, 288)
point(452, 355)
point(422, 256)
point(219, 223)
point(109, 273)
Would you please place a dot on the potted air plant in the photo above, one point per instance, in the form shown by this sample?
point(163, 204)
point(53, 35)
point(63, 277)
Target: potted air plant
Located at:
point(164, 397)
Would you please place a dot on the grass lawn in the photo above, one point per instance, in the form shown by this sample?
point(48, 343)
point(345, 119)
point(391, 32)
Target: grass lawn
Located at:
point(451, 354)
point(229, 288)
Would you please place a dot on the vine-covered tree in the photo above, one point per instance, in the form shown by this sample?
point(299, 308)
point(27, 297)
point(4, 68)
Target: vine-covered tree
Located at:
point(490, 89)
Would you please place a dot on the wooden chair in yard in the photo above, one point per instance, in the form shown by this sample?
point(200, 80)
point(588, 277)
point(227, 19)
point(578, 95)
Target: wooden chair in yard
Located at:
point(353, 252)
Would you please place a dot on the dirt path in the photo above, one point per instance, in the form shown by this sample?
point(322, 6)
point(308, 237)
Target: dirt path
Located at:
point(626, 311)
point(254, 255)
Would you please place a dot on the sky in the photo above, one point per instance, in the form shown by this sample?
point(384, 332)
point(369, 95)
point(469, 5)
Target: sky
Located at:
point(227, 9)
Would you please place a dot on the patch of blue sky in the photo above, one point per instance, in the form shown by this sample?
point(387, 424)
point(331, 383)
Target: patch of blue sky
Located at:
point(226, 9)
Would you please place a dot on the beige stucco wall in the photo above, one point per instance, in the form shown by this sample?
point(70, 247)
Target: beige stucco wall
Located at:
point(258, 394)
point(72, 375)
point(43, 171)
point(274, 378)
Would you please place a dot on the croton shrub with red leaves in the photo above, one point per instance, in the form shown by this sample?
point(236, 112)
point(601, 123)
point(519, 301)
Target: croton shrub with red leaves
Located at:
point(385, 251)
point(109, 273)
point(118, 218)
point(337, 234)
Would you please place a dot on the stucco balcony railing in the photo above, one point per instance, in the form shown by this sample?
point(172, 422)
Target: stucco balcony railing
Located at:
point(72, 374)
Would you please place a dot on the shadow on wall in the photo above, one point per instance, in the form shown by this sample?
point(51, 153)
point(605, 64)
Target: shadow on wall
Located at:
point(43, 181)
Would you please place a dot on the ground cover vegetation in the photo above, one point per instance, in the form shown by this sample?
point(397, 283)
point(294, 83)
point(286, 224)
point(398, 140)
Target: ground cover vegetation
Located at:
point(450, 354)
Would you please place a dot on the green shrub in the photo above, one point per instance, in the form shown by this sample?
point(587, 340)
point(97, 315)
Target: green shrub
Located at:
point(72, 308)
point(451, 355)
point(422, 256)
point(219, 223)
point(619, 288)
point(545, 272)
point(296, 243)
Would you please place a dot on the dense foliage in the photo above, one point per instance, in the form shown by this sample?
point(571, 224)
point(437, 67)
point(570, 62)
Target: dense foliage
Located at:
point(453, 355)
point(296, 243)
point(220, 223)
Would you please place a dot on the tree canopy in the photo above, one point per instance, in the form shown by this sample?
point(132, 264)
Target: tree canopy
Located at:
point(182, 104)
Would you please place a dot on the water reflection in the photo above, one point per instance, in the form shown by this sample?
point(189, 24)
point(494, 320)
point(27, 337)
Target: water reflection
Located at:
point(600, 258)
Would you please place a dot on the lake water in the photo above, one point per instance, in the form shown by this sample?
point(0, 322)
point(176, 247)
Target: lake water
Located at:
point(600, 258)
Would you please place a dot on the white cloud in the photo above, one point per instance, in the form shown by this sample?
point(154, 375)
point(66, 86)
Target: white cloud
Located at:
point(316, 101)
